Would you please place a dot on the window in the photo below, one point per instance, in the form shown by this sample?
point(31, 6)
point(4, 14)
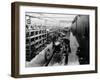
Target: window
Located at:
point(32, 33)
point(36, 38)
point(27, 41)
point(36, 32)
point(33, 39)
point(27, 34)
point(39, 37)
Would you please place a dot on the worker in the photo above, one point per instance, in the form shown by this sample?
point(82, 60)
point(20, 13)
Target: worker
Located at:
point(67, 49)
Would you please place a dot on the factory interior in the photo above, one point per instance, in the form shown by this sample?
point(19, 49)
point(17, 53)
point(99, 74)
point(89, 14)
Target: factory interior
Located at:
point(55, 39)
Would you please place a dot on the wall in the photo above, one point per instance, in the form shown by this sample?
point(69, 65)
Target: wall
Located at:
point(5, 40)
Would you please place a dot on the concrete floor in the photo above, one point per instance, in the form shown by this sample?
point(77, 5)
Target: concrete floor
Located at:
point(73, 58)
point(39, 60)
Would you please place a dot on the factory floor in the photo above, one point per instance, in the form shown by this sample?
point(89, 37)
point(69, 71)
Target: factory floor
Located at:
point(72, 58)
point(39, 60)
